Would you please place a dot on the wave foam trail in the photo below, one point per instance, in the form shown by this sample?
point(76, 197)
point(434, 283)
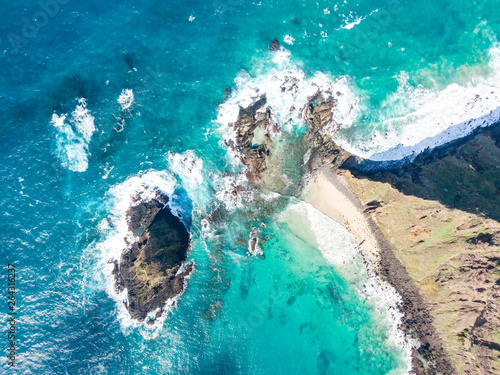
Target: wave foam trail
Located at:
point(287, 90)
point(340, 249)
point(73, 138)
point(414, 118)
point(188, 168)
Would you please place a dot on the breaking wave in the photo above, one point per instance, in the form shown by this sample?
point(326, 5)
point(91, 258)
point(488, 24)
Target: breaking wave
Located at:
point(73, 137)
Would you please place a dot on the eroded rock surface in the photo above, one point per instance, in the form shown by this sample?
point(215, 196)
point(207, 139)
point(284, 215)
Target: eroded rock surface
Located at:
point(153, 269)
point(319, 112)
point(255, 127)
point(253, 155)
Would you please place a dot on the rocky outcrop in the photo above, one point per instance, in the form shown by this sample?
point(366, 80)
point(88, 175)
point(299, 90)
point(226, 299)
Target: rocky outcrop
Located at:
point(153, 269)
point(275, 45)
point(319, 112)
point(253, 154)
point(255, 126)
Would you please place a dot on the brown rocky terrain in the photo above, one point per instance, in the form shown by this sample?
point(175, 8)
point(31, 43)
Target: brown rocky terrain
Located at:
point(440, 215)
point(153, 269)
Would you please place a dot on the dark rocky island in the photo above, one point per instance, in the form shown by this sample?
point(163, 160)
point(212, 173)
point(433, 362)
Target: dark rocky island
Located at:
point(153, 269)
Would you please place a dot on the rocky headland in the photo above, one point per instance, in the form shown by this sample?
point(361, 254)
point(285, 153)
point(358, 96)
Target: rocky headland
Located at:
point(431, 225)
point(153, 269)
point(440, 214)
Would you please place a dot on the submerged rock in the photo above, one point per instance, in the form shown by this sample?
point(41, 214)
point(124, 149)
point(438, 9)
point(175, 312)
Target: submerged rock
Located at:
point(275, 46)
point(153, 269)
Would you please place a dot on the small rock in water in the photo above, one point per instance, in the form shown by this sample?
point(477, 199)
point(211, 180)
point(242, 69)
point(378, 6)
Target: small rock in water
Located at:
point(275, 46)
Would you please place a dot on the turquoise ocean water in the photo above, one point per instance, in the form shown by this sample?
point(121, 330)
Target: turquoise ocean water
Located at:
point(100, 99)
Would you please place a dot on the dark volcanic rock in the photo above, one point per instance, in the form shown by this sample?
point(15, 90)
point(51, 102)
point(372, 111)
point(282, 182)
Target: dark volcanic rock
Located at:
point(150, 269)
point(275, 46)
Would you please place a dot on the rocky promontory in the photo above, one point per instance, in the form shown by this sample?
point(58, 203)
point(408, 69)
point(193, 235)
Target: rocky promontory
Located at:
point(153, 269)
point(436, 219)
point(439, 215)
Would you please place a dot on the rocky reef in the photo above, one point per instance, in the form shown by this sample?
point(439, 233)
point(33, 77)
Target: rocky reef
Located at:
point(153, 269)
point(255, 129)
point(252, 154)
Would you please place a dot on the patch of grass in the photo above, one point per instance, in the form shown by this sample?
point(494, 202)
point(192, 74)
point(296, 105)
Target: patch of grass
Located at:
point(445, 234)
point(429, 286)
point(149, 274)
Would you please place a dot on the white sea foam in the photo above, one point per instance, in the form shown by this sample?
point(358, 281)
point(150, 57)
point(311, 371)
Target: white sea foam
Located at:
point(188, 166)
point(271, 196)
point(73, 136)
point(340, 249)
point(414, 118)
point(83, 120)
point(288, 90)
point(233, 192)
point(126, 99)
point(189, 169)
point(352, 20)
point(288, 39)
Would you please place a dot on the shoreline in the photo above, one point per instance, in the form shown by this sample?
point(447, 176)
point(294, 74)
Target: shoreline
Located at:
point(329, 192)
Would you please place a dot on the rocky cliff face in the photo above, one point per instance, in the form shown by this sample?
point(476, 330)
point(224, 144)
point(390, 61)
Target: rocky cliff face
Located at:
point(153, 269)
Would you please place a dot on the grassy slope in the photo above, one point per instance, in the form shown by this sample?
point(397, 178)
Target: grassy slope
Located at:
point(432, 240)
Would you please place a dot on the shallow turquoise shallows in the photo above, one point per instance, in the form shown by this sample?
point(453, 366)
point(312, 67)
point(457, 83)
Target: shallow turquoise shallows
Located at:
point(96, 93)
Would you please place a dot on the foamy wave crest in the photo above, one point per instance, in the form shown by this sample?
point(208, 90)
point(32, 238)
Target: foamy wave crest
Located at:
point(287, 90)
point(116, 237)
point(188, 166)
point(189, 169)
point(73, 137)
point(352, 20)
point(126, 99)
point(233, 192)
point(415, 118)
point(340, 249)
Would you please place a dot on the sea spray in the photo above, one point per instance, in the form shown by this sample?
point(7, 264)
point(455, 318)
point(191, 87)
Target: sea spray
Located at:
point(73, 137)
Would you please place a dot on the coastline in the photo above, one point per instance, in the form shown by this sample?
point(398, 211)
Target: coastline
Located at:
point(328, 191)
point(414, 220)
point(330, 194)
point(437, 224)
